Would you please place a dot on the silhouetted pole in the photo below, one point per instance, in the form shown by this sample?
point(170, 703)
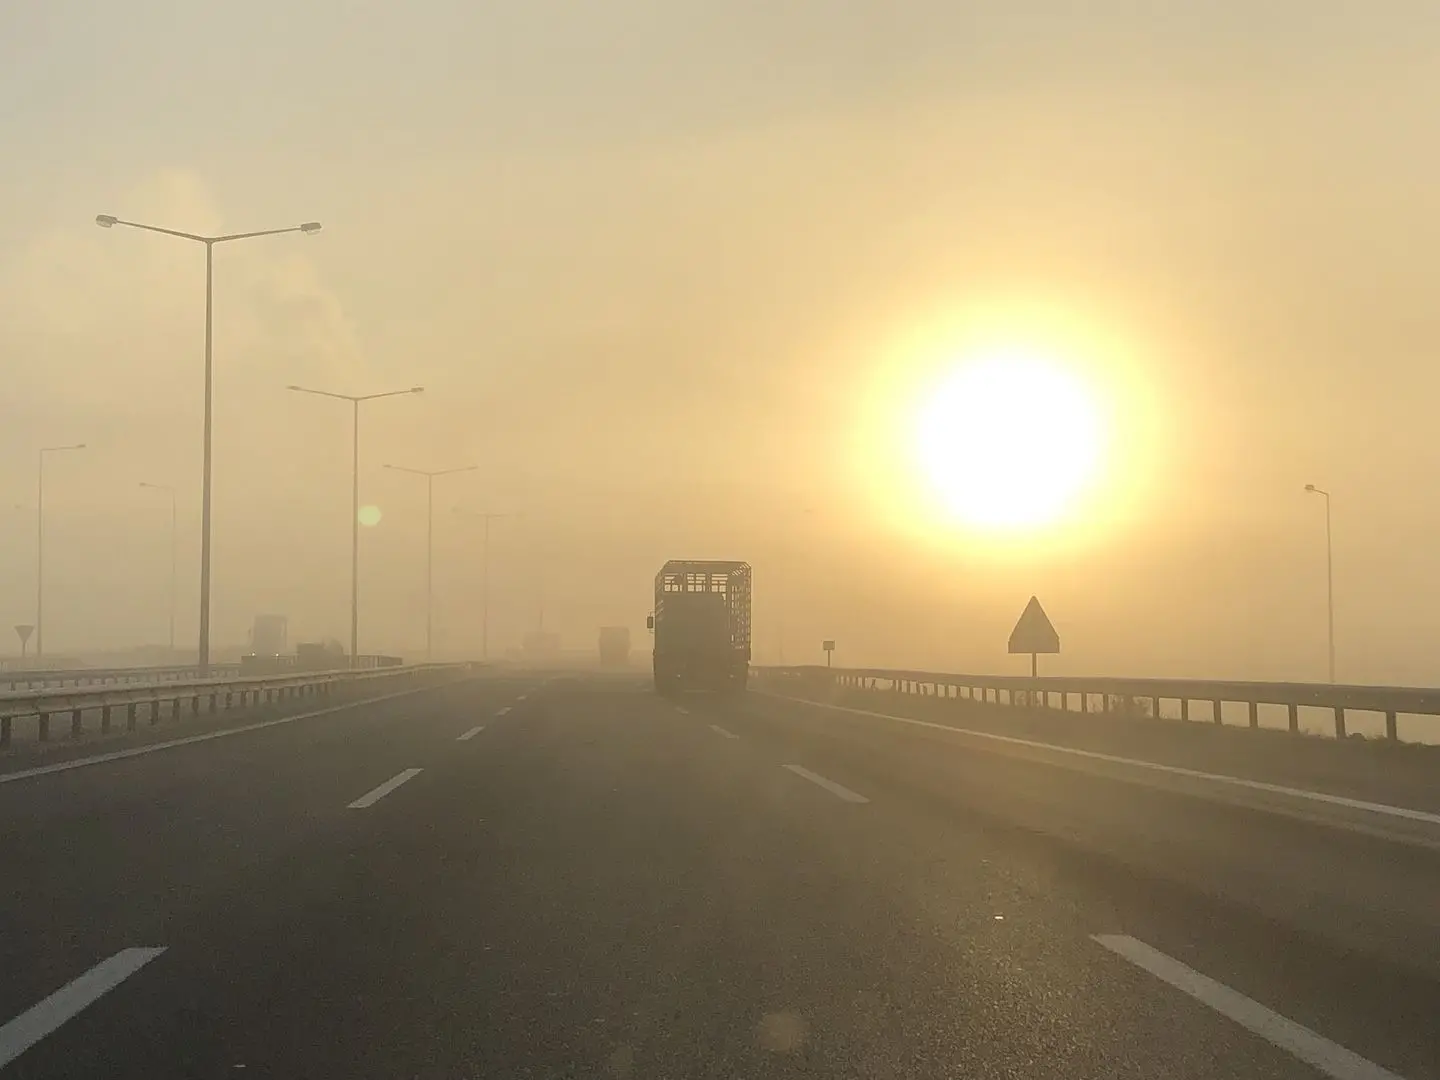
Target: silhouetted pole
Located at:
point(355, 402)
point(1329, 575)
point(107, 221)
point(40, 544)
point(430, 475)
point(485, 518)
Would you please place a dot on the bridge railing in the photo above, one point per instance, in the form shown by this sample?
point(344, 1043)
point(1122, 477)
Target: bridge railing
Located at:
point(208, 695)
point(1116, 694)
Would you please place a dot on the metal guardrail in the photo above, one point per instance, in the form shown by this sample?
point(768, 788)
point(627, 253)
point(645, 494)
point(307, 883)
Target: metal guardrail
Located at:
point(15, 679)
point(1391, 701)
point(203, 695)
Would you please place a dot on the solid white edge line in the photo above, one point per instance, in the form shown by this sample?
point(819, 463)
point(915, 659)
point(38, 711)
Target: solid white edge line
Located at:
point(838, 790)
point(722, 732)
point(370, 798)
point(1173, 770)
point(467, 736)
point(46, 1017)
point(1315, 1050)
point(190, 740)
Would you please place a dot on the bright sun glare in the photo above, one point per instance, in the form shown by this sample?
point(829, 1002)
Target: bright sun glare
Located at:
point(370, 516)
point(1009, 441)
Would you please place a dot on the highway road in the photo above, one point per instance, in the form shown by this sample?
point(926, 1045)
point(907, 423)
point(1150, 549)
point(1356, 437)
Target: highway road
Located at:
point(567, 876)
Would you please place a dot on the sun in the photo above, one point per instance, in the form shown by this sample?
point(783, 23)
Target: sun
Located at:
point(370, 516)
point(1009, 441)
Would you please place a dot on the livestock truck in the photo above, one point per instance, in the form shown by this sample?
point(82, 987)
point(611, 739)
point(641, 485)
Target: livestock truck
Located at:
point(614, 646)
point(702, 626)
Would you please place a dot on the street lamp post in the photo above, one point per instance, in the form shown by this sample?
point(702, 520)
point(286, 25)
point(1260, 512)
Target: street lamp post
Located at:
point(174, 548)
point(486, 518)
point(430, 475)
point(355, 401)
point(40, 543)
point(1329, 575)
point(107, 221)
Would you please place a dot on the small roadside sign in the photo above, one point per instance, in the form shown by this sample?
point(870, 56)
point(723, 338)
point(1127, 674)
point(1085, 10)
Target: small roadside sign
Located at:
point(829, 646)
point(24, 630)
point(1034, 634)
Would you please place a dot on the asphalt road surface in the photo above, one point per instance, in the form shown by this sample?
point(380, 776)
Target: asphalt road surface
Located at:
point(568, 876)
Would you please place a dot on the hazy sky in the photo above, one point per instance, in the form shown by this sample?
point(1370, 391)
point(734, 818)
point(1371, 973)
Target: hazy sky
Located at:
point(674, 272)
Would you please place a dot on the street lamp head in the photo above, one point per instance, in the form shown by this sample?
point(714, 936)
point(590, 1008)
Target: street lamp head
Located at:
point(1310, 488)
point(417, 389)
point(105, 221)
point(310, 227)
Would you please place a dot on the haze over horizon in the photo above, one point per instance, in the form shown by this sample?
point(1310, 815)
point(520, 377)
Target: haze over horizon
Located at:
point(675, 273)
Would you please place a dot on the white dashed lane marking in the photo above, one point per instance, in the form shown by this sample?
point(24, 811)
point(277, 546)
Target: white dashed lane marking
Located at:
point(838, 790)
point(69, 1001)
point(370, 798)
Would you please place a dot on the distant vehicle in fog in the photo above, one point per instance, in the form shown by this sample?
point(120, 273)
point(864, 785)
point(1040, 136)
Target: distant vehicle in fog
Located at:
point(702, 626)
point(269, 635)
point(614, 646)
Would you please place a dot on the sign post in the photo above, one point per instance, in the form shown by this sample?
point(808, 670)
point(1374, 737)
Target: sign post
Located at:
point(829, 647)
point(24, 630)
point(1034, 634)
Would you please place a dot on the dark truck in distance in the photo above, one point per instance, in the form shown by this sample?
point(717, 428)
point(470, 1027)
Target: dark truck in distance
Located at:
point(702, 626)
point(614, 646)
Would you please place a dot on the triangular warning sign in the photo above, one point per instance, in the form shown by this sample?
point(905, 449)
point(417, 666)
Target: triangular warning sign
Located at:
point(1033, 633)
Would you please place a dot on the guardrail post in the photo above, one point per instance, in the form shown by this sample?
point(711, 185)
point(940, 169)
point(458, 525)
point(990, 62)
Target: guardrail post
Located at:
point(1254, 714)
point(75, 724)
point(42, 727)
point(5, 731)
point(1218, 707)
point(1339, 722)
point(175, 709)
point(195, 705)
point(105, 720)
point(1184, 709)
point(214, 702)
point(155, 712)
point(1294, 719)
point(1084, 701)
point(130, 711)
point(1391, 732)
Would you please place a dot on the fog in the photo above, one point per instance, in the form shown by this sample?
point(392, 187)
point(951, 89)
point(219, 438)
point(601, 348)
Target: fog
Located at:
point(673, 276)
